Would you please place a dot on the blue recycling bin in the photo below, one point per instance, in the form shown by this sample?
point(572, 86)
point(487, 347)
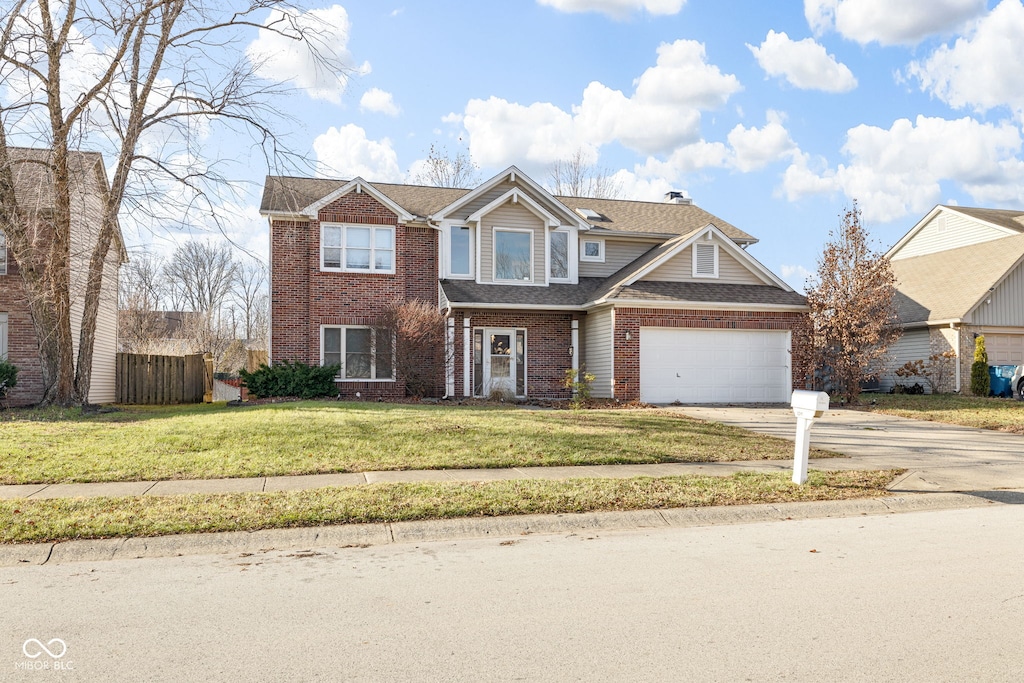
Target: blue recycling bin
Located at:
point(999, 380)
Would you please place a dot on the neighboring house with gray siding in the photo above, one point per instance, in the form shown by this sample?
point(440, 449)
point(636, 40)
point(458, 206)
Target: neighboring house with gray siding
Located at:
point(959, 275)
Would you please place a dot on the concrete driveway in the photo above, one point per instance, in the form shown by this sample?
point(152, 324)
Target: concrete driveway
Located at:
point(940, 457)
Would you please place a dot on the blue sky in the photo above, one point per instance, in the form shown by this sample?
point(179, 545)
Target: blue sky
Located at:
point(773, 116)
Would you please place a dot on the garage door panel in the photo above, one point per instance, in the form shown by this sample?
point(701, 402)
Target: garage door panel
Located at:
point(714, 366)
point(1005, 349)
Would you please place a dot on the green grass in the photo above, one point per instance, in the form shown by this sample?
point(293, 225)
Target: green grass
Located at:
point(24, 520)
point(970, 411)
point(213, 441)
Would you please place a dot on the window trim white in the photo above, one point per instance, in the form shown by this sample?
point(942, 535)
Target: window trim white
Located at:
point(3, 253)
point(564, 230)
point(449, 231)
point(373, 354)
point(4, 327)
point(372, 270)
point(583, 250)
point(494, 256)
point(693, 252)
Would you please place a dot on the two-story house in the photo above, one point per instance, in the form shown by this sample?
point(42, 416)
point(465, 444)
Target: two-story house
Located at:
point(959, 274)
point(18, 340)
point(661, 302)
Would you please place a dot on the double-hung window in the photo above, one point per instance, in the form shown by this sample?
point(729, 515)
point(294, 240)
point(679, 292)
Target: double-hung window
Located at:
point(357, 248)
point(362, 352)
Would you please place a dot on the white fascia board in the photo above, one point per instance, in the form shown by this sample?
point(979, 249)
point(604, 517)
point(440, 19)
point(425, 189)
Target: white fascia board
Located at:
point(284, 216)
point(513, 174)
point(359, 185)
point(740, 255)
point(514, 307)
point(697, 305)
point(517, 197)
point(913, 231)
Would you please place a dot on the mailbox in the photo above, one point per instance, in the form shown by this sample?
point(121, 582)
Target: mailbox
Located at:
point(808, 406)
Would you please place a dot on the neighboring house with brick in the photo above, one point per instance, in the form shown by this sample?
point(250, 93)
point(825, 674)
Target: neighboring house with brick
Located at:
point(660, 301)
point(959, 275)
point(18, 341)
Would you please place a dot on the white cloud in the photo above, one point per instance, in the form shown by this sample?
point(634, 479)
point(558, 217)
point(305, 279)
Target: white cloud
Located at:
point(755, 148)
point(888, 22)
point(379, 101)
point(663, 113)
point(982, 70)
point(806, 176)
point(641, 189)
point(284, 59)
point(617, 9)
point(346, 152)
point(803, 63)
point(900, 171)
point(796, 272)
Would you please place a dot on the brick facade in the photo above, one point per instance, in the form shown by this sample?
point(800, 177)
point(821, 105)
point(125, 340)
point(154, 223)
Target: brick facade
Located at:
point(627, 352)
point(303, 297)
point(22, 348)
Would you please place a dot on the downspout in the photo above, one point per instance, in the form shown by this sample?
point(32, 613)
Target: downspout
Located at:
point(953, 326)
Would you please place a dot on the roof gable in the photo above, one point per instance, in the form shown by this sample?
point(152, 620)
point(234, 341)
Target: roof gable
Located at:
point(950, 227)
point(530, 189)
point(357, 185)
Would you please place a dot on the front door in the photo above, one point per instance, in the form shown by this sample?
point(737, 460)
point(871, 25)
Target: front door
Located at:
point(499, 362)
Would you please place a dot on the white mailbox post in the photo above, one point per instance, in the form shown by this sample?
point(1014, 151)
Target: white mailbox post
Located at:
point(808, 406)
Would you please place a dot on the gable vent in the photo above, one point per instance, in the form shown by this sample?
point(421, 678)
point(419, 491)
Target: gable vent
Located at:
point(704, 260)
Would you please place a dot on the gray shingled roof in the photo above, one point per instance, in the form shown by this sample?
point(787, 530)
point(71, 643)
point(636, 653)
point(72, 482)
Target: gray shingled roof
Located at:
point(708, 292)
point(946, 285)
point(287, 194)
point(555, 295)
point(1006, 218)
point(33, 180)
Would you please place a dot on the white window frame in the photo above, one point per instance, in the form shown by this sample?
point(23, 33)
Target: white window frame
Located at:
point(372, 270)
point(494, 256)
point(583, 250)
point(3, 253)
point(568, 255)
point(693, 251)
point(373, 354)
point(447, 257)
point(3, 336)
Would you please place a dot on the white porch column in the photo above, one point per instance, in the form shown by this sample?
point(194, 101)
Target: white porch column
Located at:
point(449, 360)
point(575, 345)
point(467, 358)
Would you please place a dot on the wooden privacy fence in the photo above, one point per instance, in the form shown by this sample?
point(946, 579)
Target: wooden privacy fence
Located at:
point(158, 380)
point(254, 358)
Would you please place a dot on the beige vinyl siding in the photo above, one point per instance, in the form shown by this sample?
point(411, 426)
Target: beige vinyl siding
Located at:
point(680, 268)
point(598, 328)
point(617, 255)
point(515, 217)
point(104, 355)
point(480, 202)
point(947, 231)
point(914, 345)
point(1007, 307)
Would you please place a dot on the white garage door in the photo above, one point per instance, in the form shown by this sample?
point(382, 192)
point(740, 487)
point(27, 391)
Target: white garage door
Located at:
point(1005, 349)
point(714, 366)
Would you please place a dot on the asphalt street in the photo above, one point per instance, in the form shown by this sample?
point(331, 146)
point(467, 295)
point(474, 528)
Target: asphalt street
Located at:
point(931, 596)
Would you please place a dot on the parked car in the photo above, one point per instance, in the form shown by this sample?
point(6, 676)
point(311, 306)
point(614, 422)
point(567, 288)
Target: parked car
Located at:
point(1017, 382)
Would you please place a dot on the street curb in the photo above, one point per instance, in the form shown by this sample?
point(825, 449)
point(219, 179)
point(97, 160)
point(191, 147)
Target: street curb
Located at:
point(364, 535)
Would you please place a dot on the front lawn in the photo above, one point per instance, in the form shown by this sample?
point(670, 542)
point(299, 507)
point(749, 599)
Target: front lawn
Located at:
point(23, 521)
point(213, 441)
point(1001, 414)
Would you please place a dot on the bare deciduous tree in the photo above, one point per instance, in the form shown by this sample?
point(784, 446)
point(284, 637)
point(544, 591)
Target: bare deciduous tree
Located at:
point(420, 351)
point(852, 320)
point(577, 177)
point(442, 169)
point(250, 295)
point(140, 321)
point(203, 275)
point(161, 71)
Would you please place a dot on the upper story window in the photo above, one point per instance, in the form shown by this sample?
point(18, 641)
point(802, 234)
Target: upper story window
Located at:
point(513, 254)
point(461, 250)
point(357, 248)
point(3, 253)
point(705, 260)
point(559, 255)
point(361, 352)
point(592, 250)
